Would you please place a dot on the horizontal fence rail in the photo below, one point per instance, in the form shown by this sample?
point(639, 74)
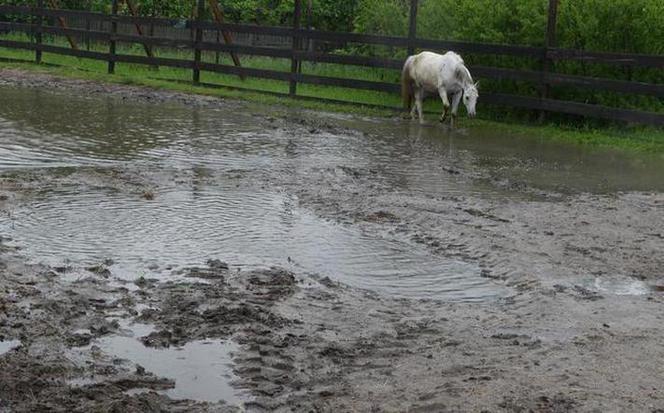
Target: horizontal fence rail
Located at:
point(296, 53)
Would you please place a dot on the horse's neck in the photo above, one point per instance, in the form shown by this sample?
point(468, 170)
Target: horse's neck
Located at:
point(466, 79)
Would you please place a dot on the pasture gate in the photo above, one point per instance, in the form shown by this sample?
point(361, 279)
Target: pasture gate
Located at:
point(105, 29)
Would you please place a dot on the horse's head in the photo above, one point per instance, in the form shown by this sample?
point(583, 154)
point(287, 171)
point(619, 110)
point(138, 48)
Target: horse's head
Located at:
point(470, 96)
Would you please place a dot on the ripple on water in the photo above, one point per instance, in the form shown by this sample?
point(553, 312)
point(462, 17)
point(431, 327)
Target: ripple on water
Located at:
point(248, 228)
point(188, 223)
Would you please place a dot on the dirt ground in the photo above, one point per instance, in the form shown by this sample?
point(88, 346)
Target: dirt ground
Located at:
point(312, 344)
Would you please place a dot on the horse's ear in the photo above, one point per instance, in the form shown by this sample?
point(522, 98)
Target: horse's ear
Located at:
point(477, 85)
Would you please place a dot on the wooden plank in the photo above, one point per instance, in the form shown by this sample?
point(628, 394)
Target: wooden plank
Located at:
point(111, 43)
point(11, 44)
point(481, 48)
point(250, 50)
point(377, 62)
point(558, 79)
point(624, 59)
point(348, 83)
point(575, 108)
point(302, 78)
point(297, 15)
point(155, 41)
point(246, 71)
point(243, 28)
point(228, 39)
point(313, 34)
point(354, 38)
point(74, 52)
point(154, 61)
point(63, 23)
point(619, 86)
point(54, 49)
point(156, 21)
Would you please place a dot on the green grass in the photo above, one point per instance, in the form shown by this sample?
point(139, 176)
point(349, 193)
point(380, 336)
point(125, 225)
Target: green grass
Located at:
point(362, 102)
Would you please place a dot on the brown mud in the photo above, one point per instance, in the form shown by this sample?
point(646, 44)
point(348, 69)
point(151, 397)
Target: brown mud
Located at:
point(580, 330)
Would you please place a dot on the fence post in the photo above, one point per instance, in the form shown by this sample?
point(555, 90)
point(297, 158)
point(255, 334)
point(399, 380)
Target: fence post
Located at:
point(309, 44)
point(38, 35)
point(199, 38)
point(412, 27)
point(550, 42)
point(217, 54)
point(114, 30)
point(297, 15)
point(88, 25)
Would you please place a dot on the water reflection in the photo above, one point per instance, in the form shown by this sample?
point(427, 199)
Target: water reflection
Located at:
point(217, 174)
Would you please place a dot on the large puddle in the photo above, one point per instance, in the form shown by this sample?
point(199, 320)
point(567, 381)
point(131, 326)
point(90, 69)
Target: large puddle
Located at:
point(215, 194)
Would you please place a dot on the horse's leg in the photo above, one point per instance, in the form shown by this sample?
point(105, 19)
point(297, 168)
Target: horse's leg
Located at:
point(446, 103)
point(413, 108)
point(419, 96)
point(455, 106)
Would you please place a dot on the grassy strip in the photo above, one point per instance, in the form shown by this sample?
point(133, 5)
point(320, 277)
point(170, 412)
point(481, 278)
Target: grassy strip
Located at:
point(363, 102)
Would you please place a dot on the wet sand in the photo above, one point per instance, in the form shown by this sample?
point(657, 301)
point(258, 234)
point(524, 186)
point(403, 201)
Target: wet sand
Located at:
point(575, 323)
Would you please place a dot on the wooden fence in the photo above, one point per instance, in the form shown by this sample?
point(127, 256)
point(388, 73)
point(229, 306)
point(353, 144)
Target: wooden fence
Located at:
point(543, 78)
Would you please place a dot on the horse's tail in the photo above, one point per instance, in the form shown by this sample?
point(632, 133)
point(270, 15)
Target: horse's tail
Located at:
point(407, 85)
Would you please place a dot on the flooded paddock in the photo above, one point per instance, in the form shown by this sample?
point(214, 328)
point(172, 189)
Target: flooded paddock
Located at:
point(224, 256)
point(154, 188)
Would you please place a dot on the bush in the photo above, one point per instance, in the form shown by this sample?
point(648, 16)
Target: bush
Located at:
point(487, 21)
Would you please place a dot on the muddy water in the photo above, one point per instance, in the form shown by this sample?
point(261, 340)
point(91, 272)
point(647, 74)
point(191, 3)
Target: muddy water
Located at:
point(8, 345)
point(157, 187)
point(200, 369)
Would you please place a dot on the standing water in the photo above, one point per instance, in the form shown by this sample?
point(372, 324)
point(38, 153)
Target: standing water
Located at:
point(158, 187)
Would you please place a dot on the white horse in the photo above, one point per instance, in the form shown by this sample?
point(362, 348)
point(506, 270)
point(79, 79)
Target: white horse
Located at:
point(446, 75)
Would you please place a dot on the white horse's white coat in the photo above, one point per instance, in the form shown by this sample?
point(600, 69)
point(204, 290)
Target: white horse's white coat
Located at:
point(446, 75)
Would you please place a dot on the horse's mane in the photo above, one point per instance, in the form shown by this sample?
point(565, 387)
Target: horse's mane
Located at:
point(462, 73)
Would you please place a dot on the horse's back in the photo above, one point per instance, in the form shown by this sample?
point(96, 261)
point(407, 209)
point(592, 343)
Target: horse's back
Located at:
point(431, 70)
point(424, 69)
point(453, 58)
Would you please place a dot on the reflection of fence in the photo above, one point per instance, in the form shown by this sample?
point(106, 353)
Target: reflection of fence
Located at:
point(199, 35)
